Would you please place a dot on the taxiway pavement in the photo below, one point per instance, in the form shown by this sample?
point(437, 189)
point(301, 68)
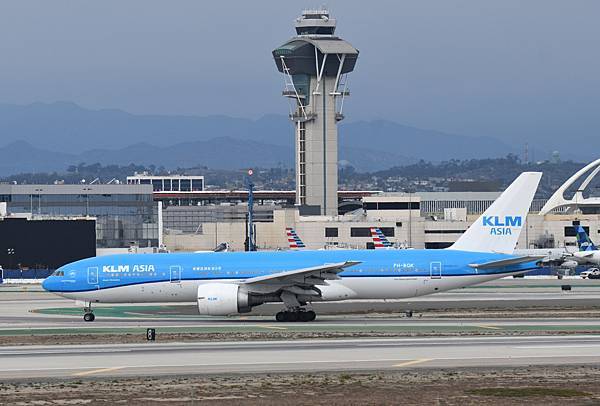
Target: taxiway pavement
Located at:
point(29, 306)
point(155, 359)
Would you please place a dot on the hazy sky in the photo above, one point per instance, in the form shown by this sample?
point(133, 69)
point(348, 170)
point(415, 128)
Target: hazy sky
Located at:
point(512, 69)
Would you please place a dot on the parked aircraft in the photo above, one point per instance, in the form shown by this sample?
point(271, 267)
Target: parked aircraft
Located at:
point(235, 282)
point(293, 240)
point(379, 239)
point(588, 253)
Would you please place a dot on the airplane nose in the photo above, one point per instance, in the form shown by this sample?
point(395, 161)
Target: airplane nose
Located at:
point(49, 284)
point(46, 284)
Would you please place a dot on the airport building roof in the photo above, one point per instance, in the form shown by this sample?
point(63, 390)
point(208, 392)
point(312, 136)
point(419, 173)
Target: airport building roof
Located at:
point(78, 189)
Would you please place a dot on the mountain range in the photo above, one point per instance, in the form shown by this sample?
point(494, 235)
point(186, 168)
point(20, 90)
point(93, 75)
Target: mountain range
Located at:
point(51, 136)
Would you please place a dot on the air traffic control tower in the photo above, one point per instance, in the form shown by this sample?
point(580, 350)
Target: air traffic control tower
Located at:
point(315, 64)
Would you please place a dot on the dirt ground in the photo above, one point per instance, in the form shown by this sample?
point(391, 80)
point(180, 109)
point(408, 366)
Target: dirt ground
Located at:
point(129, 338)
point(577, 385)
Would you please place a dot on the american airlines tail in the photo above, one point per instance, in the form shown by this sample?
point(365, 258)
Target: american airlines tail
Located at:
point(293, 240)
point(379, 239)
point(499, 227)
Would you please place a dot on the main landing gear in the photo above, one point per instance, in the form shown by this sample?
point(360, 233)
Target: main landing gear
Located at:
point(296, 315)
point(88, 313)
point(294, 310)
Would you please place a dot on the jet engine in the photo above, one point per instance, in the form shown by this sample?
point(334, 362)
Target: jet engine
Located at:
point(221, 299)
point(569, 264)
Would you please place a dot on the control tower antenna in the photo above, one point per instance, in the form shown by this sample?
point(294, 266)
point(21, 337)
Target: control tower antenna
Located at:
point(315, 64)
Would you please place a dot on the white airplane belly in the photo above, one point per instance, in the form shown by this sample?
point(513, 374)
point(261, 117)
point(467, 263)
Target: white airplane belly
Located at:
point(184, 291)
point(405, 287)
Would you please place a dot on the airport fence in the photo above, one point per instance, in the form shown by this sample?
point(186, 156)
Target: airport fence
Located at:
point(25, 275)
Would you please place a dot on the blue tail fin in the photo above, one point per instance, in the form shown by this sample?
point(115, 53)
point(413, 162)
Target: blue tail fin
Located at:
point(583, 240)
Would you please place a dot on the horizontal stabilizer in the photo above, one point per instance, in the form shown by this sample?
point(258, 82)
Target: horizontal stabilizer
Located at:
point(584, 254)
point(507, 262)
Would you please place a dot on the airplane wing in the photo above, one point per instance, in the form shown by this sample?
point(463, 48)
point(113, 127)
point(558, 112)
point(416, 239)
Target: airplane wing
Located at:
point(306, 277)
point(507, 262)
point(584, 254)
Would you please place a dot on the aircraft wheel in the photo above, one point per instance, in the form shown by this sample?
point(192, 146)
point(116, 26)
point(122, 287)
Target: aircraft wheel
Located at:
point(307, 316)
point(280, 316)
point(89, 317)
point(292, 316)
point(303, 316)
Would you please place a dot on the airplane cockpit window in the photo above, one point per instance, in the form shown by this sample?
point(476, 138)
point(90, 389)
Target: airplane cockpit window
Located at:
point(58, 273)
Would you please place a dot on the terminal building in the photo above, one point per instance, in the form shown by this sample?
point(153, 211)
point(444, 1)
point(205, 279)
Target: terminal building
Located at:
point(418, 220)
point(125, 215)
point(168, 183)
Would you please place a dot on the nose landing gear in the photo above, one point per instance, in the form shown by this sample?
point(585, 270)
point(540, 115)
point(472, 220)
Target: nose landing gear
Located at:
point(88, 313)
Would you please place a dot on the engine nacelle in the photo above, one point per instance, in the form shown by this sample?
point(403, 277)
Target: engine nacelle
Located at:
point(569, 264)
point(222, 299)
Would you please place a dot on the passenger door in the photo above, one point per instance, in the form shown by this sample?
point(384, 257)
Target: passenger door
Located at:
point(435, 270)
point(92, 275)
point(175, 273)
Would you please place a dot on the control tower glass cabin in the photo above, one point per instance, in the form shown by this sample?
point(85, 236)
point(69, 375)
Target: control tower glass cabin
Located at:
point(315, 64)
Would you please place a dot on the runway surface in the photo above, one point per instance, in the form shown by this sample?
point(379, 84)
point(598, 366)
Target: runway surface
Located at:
point(518, 339)
point(15, 319)
point(294, 356)
point(30, 310)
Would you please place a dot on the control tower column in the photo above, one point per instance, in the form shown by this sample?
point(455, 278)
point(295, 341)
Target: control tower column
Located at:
point(315, 64)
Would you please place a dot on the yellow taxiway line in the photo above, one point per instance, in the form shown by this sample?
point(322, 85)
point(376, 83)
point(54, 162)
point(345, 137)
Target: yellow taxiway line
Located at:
point(490, 327)
point(413, 362)
point(273, 327)
point(97, 371)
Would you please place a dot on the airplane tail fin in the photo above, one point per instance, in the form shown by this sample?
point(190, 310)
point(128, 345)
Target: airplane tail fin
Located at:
point(379, 239)
point(583, 240)
point(293, 240)
point(499, 227)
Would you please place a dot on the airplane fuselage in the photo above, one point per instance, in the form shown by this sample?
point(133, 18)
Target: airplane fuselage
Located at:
point(381, 274)
point(588, 257)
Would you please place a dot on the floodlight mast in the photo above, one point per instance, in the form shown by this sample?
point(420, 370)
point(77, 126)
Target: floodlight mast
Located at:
point(315, 64)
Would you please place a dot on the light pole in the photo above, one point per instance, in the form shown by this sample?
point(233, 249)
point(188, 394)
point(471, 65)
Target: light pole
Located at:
point(87, 201)
point(251, 246)
point(39, 195)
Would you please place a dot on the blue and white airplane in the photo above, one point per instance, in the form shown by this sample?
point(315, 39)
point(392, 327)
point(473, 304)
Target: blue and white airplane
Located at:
point(583, 240)
point(588, 253)
point(234, 282)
